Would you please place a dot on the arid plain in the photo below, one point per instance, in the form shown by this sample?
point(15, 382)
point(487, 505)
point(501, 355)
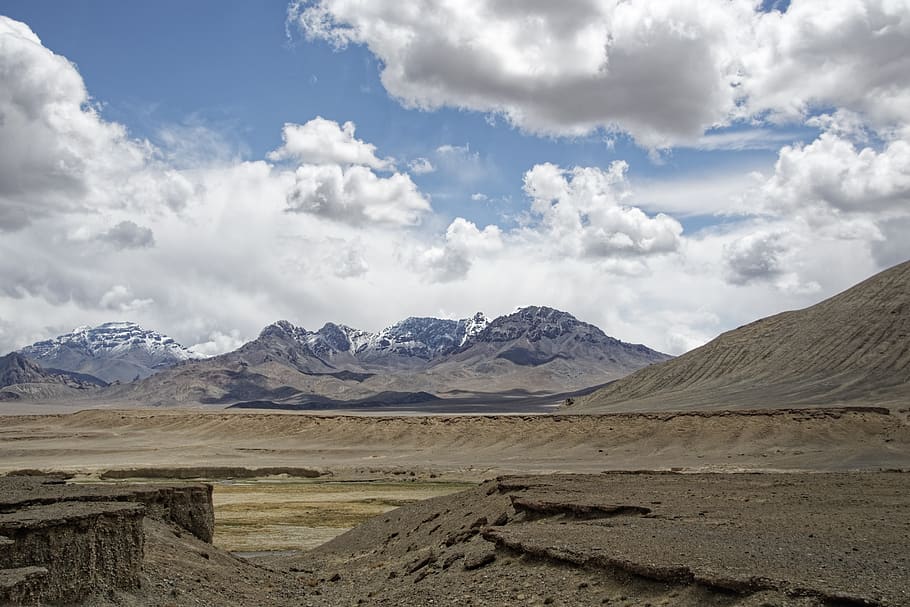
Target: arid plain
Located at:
point(286, 483)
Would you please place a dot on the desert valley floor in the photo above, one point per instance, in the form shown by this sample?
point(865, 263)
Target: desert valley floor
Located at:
point(825, 523)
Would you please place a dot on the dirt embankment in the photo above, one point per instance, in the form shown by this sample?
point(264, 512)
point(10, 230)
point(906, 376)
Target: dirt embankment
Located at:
point(630, 539)
point(793, 540)
point(62, 543)
point(189, 443)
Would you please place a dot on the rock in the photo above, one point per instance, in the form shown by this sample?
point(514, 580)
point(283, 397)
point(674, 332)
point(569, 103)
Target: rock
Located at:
point(478, 559)
point(19, 584)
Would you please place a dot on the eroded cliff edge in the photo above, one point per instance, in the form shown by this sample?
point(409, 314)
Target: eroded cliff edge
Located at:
point(60, 543)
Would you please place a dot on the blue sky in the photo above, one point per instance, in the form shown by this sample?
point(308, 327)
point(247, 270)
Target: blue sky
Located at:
point(238, 69)
point(666, 170)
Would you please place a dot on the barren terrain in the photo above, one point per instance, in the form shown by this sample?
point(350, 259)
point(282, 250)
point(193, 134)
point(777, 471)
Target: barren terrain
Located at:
point(455, 448)
point(851, 349)
point(286, 482)
point(630, 539)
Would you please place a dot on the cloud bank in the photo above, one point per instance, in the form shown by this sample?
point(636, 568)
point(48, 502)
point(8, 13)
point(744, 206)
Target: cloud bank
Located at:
point(98, 225)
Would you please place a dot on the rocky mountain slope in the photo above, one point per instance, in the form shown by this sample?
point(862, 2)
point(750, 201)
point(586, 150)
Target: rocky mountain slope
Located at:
point(21, 378)
point(852, 348)
point(114, 351)
point(534, 350)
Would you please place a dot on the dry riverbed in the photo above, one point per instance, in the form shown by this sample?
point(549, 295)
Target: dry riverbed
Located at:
point(263, 516)
point(266, 515)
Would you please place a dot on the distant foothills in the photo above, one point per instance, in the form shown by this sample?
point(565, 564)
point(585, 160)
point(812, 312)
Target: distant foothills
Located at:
point(533, 352)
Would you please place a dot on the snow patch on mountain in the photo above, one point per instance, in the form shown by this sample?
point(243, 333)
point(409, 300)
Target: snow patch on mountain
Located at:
point(113, 351)
point(111, 338)
point(418, 337)
point(432, 338)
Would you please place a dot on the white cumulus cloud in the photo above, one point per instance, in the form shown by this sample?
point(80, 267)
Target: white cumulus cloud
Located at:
point(219, 343)
point(834, 172)
point(851, 55)
point(57, 155)
point(356, 195)
point(325, 142)
point(582, 211)
point(464, 241)
point(664, 71)
point(562, 68)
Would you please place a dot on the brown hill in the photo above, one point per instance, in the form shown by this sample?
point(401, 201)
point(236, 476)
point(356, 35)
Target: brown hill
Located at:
point(852, 348)
point(22, 378)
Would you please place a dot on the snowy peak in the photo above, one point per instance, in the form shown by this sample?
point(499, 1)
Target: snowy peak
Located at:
point(110, 338)
point(536, 323)
point(469, 328)
point(113, 351)
point(418, 337)
point(423, 338)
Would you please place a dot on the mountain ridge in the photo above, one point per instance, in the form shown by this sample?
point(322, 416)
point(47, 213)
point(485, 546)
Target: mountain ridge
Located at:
point(852, 347)
point(429, 339)
point(22, 378)
point(533, 350)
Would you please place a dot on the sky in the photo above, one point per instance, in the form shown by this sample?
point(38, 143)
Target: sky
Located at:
point(666, 170)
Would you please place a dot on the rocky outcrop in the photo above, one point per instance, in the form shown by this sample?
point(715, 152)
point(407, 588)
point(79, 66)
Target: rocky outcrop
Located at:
point(688, 540)
point(60, 543)
point(82, 547)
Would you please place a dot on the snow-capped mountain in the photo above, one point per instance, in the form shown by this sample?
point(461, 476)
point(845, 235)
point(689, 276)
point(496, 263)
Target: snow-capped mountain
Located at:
point(114, 351)
point(470, 327)
point(533, 352)
point(528, 337)
point(537, 335)
point(411, 342)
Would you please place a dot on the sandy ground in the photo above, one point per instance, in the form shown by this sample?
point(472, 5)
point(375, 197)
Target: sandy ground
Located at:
point(458, 448)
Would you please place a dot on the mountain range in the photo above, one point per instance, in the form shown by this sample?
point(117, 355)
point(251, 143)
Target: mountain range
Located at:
point(853, 348)
point(534, 351)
